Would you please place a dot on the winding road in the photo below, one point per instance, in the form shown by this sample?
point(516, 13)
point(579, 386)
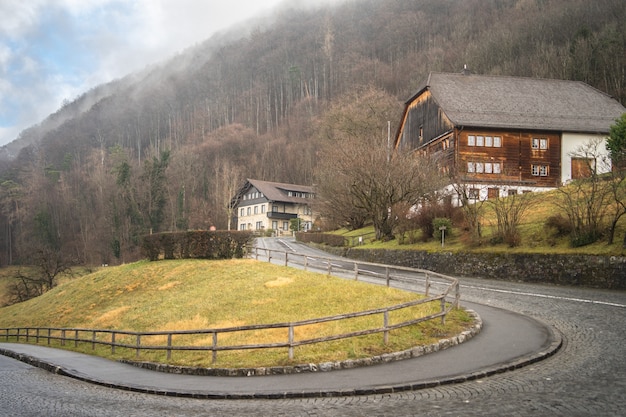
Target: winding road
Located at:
point(587, 377)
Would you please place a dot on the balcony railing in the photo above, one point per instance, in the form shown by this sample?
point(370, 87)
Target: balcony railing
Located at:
point(281, 216)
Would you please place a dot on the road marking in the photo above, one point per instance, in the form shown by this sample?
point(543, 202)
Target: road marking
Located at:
point(554, 297)
point(282, 242)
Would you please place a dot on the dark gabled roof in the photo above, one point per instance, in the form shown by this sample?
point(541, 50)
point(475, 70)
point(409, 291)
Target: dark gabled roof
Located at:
point(522, 103)
point(274, 191)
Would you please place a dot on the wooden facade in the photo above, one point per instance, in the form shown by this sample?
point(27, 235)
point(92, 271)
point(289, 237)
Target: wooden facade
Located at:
point(504, 132)
point(511, 157)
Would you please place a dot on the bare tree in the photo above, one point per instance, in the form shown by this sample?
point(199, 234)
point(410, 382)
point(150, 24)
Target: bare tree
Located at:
point(510, 211)
point(359, 169)
point(586, 201)
point(49, 264)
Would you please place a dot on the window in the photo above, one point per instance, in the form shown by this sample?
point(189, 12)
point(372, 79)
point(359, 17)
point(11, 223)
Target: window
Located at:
point(263, 208)
point(285, 226)
point(256, 209)
point(248, 211)
point(540, 143)
point(241, 212)
point(512, 192)
point(259, 225)
point(484, 167)
point(539, 170)
point(242, 226)
point(275, 209)
point(274, 225)
point(474, 193)
point(488, 141)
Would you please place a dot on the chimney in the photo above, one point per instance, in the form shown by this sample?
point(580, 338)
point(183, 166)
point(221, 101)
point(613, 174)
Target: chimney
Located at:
point(466, 70)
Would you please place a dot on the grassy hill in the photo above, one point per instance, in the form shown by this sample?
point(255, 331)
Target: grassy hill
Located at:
point(199, 294)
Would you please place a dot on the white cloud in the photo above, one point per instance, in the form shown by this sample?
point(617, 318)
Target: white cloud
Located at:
point(51, 50)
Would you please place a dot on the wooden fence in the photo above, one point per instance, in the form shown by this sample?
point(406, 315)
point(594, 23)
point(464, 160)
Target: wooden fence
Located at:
point(170, 341)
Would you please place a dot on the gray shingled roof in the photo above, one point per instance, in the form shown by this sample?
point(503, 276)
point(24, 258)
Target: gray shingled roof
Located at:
point(524, 103)
point(276, 191)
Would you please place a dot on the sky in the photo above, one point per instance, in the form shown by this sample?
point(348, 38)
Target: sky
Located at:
point(55, 50)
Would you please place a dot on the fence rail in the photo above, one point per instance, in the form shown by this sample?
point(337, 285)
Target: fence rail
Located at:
point(170, 341)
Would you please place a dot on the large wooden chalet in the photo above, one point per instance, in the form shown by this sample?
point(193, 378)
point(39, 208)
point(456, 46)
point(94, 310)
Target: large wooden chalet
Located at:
point(500, 135)
point(262, 205)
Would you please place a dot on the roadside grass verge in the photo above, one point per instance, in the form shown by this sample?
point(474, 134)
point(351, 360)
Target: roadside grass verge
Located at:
point(200, 294)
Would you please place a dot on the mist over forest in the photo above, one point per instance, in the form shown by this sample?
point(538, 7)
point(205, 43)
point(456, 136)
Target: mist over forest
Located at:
point(165, 149)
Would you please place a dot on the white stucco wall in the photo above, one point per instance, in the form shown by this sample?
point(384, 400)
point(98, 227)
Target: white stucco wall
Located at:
point(571, 143)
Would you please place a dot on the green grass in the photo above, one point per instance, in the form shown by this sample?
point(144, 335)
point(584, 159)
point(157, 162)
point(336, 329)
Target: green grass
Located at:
point(199, 294)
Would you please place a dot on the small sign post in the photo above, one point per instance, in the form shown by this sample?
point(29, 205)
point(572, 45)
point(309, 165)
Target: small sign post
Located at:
point(443, 234)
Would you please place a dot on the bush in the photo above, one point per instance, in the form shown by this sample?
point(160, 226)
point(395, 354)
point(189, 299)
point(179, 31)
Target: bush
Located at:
point(559, 225)
point(320, 238)
point(583, 238)
point(440, 222)
point(196, 244)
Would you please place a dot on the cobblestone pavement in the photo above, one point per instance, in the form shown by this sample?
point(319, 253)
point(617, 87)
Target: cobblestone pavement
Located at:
point(586, 378)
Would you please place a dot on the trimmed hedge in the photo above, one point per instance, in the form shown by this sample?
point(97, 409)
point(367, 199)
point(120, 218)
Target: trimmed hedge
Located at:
point(199, 244)
point(320, 238)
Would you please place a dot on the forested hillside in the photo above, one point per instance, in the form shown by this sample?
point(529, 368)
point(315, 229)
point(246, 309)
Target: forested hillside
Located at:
point(165, 149)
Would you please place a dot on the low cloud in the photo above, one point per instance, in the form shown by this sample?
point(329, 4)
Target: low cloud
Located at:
point(54, 50)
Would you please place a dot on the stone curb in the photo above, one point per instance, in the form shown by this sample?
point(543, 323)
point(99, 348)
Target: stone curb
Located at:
point(318, 367)
point(553, 347)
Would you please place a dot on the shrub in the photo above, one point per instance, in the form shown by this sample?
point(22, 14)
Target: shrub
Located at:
point(440, 222)
point(196, 244)
point(320, 238)
point(559, 225)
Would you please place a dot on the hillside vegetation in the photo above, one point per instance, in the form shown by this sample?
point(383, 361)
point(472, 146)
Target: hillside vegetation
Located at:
point(166, 148)
point(536, 234)
point(196, 294)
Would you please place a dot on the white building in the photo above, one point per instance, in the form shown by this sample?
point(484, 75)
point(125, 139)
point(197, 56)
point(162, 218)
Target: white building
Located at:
point(262, 205)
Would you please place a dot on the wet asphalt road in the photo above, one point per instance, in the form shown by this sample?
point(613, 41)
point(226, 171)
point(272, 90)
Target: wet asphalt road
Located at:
point(587, 377)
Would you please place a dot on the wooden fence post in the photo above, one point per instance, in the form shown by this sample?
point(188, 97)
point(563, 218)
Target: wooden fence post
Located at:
point(214, 358)
point(443, 309)
point(291, 333)
point(385, 325)
point(169, 346)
